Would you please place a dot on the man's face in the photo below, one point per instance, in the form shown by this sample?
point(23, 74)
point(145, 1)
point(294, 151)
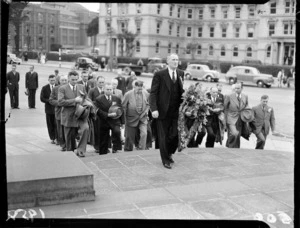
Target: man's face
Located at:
point(63, 80)
point(214, 92)
point(85, 77)
point(114, 84)
point(101, 82)
point(173, 61)
point(31, 68)
point(264, 102)
point(73, 79)
point(108, 90)
point(238, 89)
point(138, 88)
point(13, 68)
point(51, 81)
point(220, 88)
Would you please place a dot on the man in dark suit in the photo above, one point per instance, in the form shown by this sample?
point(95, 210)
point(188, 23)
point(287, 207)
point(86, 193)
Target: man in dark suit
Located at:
point(93, 94)
point(121, 82)
point(31, 84)
point(53, 100)
point(234, 104)
point(49, 109)
point(69, 96)
point(165, 99)
point(85, 81)
point(13, 78)
point(264, 119)
point(108, 121)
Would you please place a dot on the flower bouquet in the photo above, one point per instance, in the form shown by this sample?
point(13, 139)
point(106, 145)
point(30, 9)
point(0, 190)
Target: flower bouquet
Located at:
point(194, 106)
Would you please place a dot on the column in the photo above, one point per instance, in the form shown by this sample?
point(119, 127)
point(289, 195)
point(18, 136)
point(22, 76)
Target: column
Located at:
point(273, 50)
point(293, 64)
point(281, 53)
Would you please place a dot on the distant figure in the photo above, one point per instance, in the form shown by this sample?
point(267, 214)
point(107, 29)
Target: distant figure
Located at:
point(121, 82)
point(13, 78)
point(43, 59)
point(129, 81)
point(289, 76)
point(25, 56)
point(290, 60)
point(280, 77)
point(102, 63)
point(31, 85)
point(57, 77)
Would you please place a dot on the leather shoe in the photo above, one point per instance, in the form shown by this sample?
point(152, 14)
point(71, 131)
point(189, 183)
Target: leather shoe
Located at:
point(168, 166)
point(52, 142)
point(115, 151)
point(63, 149)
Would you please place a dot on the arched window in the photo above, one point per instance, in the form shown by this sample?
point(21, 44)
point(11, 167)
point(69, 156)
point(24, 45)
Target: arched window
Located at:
point(211, 50)
point(169, 48)
point(249, 52)
point(137, 46)
point(157, 47)
point(223, 52)
point(269, 51)
point(235, 51)
point(199, 50)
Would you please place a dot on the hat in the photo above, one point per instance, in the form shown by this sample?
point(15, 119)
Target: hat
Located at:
point(115, 109)
point(247, 115)
point(81, 112)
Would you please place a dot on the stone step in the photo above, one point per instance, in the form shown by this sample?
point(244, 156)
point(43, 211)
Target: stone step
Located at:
point(35, 180)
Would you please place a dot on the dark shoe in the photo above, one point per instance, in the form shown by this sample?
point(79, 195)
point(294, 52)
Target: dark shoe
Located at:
point(127, 150)
point(97, 151)
point(16, 107)
point(52, 142)
point(168, 166)
point(115, 151)
point(63, 149)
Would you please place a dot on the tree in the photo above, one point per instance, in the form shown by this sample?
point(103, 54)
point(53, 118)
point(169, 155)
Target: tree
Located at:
point(93, 29)
point(16, 18)
point(129, 38)
point(192, 47)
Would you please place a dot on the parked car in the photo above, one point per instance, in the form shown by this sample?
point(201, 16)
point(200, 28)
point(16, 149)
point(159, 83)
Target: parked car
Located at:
point(85, 63)
point(12, 58)
point(251, 61)
point(248, 75)
point(201, 72)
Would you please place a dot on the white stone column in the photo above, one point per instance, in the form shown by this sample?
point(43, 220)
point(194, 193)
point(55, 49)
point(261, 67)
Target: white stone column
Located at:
point(281, 53)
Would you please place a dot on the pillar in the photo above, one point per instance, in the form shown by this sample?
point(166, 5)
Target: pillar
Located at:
point(281, 53)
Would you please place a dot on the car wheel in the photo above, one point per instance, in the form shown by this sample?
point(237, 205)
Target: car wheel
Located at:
point(127, 70)
point(188, 76)
point(208, 78)
point(260, 84)
point(231, 81)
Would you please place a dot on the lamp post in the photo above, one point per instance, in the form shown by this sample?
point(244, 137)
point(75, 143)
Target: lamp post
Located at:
point(110, 39)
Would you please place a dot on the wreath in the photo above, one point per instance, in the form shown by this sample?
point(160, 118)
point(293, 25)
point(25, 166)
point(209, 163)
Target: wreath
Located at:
point(193, 107)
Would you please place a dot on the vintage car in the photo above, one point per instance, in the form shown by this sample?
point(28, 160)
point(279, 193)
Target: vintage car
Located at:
point(201, 72)
point(12, 58)
point(85, 63)
point(248, 75)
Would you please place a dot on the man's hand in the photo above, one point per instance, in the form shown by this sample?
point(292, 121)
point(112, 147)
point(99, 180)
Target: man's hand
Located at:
point(78, 99)
point(155, 114)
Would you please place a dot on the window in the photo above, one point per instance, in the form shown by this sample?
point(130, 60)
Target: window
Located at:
point(123, 27)
point(287, 6)
point(224, 31)
point(237, 12)
point(251, 11)
point(123, 8)
point(225, 12)
point(178, 12)
point(40, 29)
point(157, 28)
point(178, 31)
point(157, 47)
point(187, 50)
point(52, 30)
point(158, 8)
point(291, 30)
point(237, 32)
point(40, 17)
point(51, 18)
point(138, 27)
point(190, 14)
point(271, 29)
point(200, 32)
point(269, 51)
point(170, 29)
point(199, 50)
point(169, 48)
point(273, 8)
point(177, 49)
point(189, 31)
point(211, 50)
point(249, 52)
point(211, 31)
point(108, 26)
point(212, 12)
point(235, 51)
point(137, 46)
point(201, 13)
point(250, 32)
point(138, 8)
point(288, 28)
point(223, 52)
point(40, 41)
point(171, 11)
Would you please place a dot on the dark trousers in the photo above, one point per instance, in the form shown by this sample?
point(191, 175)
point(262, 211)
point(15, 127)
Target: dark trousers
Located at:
point(96, 133)
point(70, 137)
point(60, 134)
point(196, 142)
point(51, 125)
point(234, 135)
point(31, 98)
point(261, 139)
point(14, 96)
point(168, 137)
point(104, 135)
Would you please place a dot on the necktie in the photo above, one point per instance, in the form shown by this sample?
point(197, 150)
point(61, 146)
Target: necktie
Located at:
point(51, 88)
point(173, 77)
point(74, 89)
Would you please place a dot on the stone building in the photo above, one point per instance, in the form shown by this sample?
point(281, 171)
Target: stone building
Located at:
point(222, 32)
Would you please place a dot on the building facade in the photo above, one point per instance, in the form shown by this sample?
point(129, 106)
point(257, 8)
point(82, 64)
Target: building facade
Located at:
point(55, 23)
point(223, 32)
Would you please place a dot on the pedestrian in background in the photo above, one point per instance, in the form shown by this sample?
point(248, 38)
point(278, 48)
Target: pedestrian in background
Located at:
point(12, 81)
point(85, 82)
point(289, 76)
point(280, 77)
point(129, 81)
point(121, 82)
point(264, 120)
point(57, 77)
point(31, 85)
point(49, 109)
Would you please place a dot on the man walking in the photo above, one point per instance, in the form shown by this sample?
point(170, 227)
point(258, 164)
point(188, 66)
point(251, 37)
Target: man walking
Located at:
point(264, 119)
point(121, 82)
point(13, 78)
point(136, 106)
point(31, 85)
point(85, 81)
point(165, 99)
point(49, 109)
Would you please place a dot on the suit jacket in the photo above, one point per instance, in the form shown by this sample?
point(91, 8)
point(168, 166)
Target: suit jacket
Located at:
point(94, 93)
point(13, 80)
point(132, 116)
point(221, 96)
point(103, 105)
point(44, 96)
point(90, 85)
point(118, 93)
point(121, 84)
point(31, 80)
point(160, 91)
point(263, 119)
point(233, 108)
point(66, 99)
point(53, 100)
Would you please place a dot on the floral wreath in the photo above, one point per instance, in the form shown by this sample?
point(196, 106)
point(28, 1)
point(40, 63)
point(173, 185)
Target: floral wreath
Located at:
point(193, 107)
